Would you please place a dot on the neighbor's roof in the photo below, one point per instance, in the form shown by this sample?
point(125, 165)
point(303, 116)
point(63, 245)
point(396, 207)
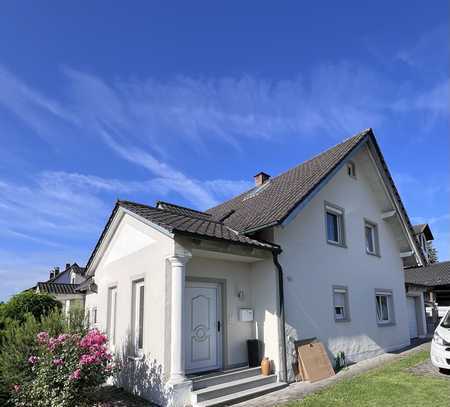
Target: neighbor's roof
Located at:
point(74, 267)
point(433, 275)
point(57, 288)
point(423, 228)
point(272, 202)
point(180, 220)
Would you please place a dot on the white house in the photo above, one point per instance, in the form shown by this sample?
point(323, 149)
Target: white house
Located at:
point(66, 286)
point(317, 251)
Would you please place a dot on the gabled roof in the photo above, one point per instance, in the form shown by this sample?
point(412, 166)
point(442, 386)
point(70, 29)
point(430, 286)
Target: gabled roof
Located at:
point(425, 229)
point(433, 275)
point(57, 288)
point(74, 267)
point(273, 201)
point(264, 206)
point(181, 221)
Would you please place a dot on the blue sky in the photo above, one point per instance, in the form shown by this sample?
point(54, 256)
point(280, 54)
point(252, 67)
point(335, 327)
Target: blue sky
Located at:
point(187, 101)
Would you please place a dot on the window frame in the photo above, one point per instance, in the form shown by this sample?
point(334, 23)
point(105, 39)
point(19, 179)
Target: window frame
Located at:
point(375, 238)
point(138, 318)
point(381, 292)
point(341, 289)
point(339, 212)
point(111, 324)
point(351, 169)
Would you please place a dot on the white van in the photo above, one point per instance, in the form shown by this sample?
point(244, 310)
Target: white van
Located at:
point(440, 345)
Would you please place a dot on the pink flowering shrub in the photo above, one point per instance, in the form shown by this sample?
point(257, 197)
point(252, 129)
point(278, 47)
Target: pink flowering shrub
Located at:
point(63, 369)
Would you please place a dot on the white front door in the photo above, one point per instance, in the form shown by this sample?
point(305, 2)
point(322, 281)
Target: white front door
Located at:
point(412, 317)
point(203, 310)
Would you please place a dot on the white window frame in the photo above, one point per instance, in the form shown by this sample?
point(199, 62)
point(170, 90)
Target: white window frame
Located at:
point(388, 294)
point(339, 213)
point(93, 317)
point(375, 238)
point(138, 316)
point(340, 289)
point(72, 278)
point(111, 328)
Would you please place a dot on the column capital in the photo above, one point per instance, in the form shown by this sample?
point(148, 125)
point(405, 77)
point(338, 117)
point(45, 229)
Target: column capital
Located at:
point(179, 260)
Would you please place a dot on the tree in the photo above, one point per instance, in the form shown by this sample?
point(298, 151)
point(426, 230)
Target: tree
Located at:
point(432, 252)
point(28, 302)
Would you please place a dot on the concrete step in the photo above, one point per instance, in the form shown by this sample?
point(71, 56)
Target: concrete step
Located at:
point(232, 387)
point(225, 377)
point(243, 395)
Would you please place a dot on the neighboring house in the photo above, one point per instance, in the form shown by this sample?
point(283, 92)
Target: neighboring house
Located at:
point(317, 251)
point(423, 235)
point(65, 286)
point(435, 279)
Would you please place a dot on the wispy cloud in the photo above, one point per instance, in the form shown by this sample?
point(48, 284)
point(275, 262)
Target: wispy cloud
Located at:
point(430, 51)
point(43, 114)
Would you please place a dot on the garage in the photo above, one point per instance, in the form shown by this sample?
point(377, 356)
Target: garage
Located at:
point(412, 317)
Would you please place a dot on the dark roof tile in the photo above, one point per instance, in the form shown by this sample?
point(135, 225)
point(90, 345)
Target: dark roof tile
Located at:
point(58, 288)
point(273, 201)
point(433, 275)
point(183, 222)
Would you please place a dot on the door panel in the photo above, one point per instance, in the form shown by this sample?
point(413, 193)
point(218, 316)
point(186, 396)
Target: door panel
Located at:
point(412, 317)
point(203, 309)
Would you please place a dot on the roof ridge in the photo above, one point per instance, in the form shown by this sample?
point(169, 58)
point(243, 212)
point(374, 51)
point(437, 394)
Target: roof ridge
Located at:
point(181, 207)
point(360, 134)
point(209, 219)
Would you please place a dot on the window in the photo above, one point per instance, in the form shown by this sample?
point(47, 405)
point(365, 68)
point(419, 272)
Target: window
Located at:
point(94, 315)
point(138, 316)
point(340, 304)
point(72, 278)
point(334, 218)
point(351, 169)
point(371, 234)
point(385, 307)
point(112, 315)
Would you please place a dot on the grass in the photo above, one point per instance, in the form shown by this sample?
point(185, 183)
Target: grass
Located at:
point(392, 385)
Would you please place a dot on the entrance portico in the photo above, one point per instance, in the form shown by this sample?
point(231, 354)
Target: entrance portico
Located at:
point(212, 287)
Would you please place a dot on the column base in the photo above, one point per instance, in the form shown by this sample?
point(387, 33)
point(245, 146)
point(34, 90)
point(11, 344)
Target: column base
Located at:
point(179, 389)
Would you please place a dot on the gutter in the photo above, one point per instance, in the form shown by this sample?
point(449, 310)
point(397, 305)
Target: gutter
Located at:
point(282, 323)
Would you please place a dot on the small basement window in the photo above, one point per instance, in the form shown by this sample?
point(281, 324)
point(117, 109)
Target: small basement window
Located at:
point(351, 171)
point(340, 304)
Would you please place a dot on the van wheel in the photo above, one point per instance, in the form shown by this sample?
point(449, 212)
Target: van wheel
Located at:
point(444, 371)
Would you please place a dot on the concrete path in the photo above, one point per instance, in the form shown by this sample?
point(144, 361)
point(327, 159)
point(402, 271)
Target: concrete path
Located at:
point(297, 391)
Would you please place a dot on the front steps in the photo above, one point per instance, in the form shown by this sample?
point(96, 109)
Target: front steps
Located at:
point(227, 388)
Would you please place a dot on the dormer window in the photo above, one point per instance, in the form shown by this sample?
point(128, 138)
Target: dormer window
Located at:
point(351, 172)
point(72, 278)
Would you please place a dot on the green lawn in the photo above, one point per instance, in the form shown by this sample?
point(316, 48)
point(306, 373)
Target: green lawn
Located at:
point(391, 386)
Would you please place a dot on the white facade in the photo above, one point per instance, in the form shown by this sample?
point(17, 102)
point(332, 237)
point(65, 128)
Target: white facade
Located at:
point(247, 279)
point(312, 267)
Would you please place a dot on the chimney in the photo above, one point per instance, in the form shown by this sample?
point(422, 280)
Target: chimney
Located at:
point(67, 266)
point(56, 271)
point(261, 178)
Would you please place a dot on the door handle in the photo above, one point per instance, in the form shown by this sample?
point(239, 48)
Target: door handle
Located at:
point(218, 326)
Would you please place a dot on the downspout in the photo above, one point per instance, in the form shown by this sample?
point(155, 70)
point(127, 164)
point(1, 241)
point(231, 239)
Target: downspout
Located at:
point(282, 323)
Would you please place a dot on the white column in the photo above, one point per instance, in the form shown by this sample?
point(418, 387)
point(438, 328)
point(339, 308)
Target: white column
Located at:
point(177, 345)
